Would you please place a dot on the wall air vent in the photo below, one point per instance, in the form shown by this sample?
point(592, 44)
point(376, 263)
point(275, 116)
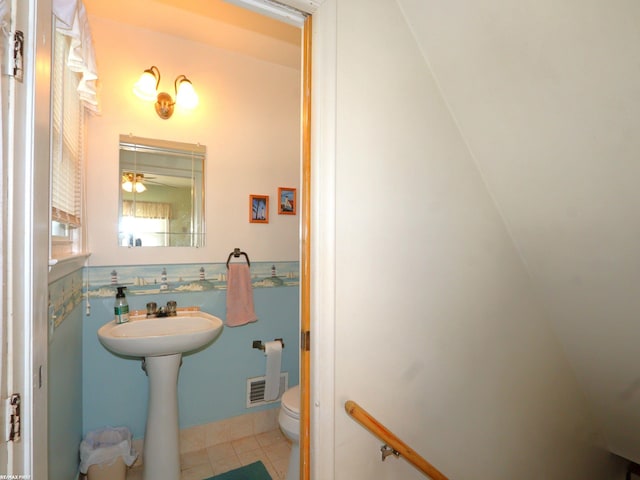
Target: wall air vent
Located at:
point(255, 390)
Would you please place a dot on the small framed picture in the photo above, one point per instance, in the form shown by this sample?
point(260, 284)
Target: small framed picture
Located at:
point(259, 208)
point(287, 201)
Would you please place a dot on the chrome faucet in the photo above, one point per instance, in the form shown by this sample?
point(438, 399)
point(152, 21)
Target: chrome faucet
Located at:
point(169, 311)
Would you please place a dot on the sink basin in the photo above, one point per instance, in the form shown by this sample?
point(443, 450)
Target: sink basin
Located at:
point(151, 337)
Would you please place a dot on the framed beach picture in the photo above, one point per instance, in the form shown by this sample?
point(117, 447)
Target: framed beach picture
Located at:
point(259, 208)
point(287, 201)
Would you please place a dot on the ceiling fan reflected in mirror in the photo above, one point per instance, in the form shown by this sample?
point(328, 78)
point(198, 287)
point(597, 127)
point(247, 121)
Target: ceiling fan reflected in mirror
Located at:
point(133, 182)
point(137, 182)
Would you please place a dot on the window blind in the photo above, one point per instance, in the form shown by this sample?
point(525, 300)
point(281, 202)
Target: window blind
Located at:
point(67, 126)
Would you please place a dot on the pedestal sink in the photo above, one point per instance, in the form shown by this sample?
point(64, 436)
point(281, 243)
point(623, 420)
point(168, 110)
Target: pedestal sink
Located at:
point(161, 342)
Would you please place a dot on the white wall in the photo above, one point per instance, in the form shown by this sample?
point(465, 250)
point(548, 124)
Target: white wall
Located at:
point(248, 118)
point(551, 116)
point(437, 330)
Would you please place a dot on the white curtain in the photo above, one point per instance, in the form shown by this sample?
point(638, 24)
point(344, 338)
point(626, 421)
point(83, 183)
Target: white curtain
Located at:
point(65, 11)
point(73, 21)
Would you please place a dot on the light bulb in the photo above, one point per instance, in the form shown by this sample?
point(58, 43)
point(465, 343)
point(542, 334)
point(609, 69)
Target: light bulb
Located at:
point(145, 88)
point(186, 96)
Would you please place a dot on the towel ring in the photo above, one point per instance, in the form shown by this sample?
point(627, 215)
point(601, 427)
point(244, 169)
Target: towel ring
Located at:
point(236, 253)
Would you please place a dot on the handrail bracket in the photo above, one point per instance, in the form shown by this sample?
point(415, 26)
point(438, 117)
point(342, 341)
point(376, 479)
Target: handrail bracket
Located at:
point(386, 450)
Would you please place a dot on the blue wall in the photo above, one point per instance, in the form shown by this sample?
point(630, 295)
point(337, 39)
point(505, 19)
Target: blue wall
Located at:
point(65, 377)
point(212, 382)
point(90, 388)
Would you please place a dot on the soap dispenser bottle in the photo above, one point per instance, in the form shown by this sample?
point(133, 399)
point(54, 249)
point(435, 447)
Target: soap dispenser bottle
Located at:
point(121, 307)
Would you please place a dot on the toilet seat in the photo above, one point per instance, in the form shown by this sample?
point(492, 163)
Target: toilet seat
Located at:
point(290, 402)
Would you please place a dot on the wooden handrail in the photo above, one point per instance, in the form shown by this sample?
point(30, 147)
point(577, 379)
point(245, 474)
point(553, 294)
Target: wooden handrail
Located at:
point(370, 423)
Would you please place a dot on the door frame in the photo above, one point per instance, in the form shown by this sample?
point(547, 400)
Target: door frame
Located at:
point(26, 223)
point(305, 302)
point(29, 264)
point(323, 405)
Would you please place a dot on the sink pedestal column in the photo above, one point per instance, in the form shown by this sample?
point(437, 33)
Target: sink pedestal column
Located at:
point(161, 453)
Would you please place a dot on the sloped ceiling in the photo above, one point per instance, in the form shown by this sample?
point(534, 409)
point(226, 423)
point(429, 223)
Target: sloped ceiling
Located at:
point(547, 96)
point(212, 22)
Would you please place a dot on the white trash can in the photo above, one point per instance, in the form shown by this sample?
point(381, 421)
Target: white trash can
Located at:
point(117, 470)
point(106, 453)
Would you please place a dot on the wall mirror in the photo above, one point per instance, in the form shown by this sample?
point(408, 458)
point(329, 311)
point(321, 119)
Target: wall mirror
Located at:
point(161, 186)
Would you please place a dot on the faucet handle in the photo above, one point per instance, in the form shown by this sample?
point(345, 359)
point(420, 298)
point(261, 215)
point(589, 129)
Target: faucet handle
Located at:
point(152, 309)
point(172, 307)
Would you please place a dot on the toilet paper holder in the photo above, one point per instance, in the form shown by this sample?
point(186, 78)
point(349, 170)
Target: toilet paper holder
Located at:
point(259, 345)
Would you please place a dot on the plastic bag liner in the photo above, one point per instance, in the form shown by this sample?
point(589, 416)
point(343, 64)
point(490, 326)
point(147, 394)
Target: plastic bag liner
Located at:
point(104, 446)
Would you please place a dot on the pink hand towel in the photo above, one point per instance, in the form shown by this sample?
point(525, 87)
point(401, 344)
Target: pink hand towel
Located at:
point(240, 310)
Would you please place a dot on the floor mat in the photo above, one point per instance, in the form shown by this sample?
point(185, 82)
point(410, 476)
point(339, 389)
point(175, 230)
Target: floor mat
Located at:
point(254, 471)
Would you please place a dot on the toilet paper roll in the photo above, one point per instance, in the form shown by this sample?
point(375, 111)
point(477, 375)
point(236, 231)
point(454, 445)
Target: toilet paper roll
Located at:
point(273, 352)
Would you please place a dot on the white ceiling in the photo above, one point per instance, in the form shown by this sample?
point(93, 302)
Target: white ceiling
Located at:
point(547, 96)
point(213, 22)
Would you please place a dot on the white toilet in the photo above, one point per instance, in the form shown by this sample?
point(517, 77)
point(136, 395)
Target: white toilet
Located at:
point(289, 420)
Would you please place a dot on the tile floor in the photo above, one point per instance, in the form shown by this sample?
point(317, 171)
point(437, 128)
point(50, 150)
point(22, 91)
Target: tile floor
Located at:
point(271, 447)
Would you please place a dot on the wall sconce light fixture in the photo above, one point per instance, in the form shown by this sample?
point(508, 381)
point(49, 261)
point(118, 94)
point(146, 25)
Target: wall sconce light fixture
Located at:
point(131, 182)
point(147, 89)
